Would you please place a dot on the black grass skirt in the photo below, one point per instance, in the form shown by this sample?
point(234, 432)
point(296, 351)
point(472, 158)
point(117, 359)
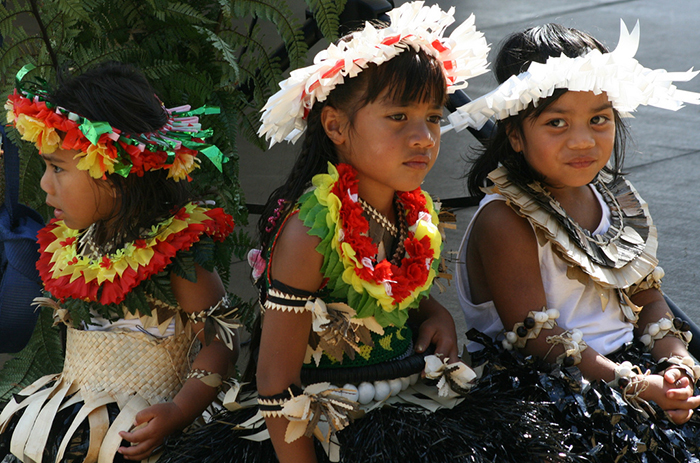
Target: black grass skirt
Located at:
point(521, 410)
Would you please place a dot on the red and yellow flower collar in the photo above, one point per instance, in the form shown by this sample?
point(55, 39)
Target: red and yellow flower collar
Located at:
point(380, 289)
point(67, 274)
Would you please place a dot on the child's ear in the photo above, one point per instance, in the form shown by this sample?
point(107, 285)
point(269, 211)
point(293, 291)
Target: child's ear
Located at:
point(334, 122)
point(515, 139)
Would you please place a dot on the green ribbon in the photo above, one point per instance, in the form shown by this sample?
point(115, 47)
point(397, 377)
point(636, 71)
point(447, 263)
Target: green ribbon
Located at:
point(206, 110)
point(93, 130)
point(23, 72)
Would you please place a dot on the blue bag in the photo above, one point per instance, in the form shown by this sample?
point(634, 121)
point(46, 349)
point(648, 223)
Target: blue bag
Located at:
point(19, 251)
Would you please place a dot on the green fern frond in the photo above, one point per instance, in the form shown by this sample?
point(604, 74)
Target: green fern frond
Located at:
point(326, 13)
point(281, 16)
point(227, 52)
point(43, 355)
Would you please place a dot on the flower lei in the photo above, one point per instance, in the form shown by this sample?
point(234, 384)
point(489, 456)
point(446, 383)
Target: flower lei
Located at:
point(103, 149)
point(463, 55)
point(67, 274)
point(380, 289)
point(627, 83)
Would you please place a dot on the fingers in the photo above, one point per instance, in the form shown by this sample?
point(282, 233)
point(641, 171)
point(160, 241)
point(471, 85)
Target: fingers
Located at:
point(679, 416)
point(141, 451)
point(444, 345)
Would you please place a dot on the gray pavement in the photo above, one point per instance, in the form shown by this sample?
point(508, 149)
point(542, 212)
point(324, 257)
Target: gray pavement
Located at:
point(663, 162)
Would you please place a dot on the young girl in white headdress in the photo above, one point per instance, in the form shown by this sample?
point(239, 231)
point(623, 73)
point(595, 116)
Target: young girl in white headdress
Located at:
point(559, 262)
point(350, 246)
point(129, 262)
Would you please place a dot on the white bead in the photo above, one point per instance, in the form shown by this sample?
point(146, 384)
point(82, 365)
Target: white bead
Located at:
point(646, 339)
point(541, 317)
point(414, 378)
point(576, 336)
point(350, 392)
point(688, 361)
point(405, 382)
point(395, 386)
point(511, 337)
point(381, 390)
point(506, 345)
point(624, 372)
point(696, 371)
point(665, 324)
point(365, 393)
point(658, 273)
point(553, 314)
point(653, 329)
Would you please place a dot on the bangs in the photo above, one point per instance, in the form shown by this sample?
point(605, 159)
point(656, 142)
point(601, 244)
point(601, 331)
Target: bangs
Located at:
point(411, 77)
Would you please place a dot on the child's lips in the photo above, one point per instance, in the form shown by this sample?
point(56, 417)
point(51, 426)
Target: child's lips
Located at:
point(581, 163)
point(418, 163)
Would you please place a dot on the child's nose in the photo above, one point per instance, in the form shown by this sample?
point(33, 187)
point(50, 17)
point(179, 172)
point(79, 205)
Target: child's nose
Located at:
point(423, 136)
point(45, 182)
point(581, 138)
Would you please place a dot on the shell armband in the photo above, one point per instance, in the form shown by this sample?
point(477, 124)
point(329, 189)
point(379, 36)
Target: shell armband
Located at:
point(666, 326)
point(631, 382)
point(573, 344)
point(530, 328)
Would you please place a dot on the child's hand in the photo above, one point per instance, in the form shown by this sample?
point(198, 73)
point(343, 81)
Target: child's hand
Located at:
point(438, 328)
point(673, 392)
point(680, 387)
point(158, 422)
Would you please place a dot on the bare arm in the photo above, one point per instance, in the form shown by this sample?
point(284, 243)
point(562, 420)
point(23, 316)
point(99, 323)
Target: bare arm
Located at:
point(285, 335)
point(163, 419)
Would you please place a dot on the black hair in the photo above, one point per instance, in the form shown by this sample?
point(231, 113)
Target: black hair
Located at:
point(514, 57)
point(411, 76)
point(120, 95)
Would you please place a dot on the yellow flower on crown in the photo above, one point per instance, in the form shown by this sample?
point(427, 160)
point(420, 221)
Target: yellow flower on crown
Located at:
point(35, 131)
point(98, 160)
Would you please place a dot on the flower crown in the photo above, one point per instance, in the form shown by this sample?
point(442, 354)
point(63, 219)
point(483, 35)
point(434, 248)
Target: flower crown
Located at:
point(462, 55)
point(105, 149)
point(627, 83)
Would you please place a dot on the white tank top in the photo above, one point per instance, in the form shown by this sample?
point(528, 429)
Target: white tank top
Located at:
point(604, 328)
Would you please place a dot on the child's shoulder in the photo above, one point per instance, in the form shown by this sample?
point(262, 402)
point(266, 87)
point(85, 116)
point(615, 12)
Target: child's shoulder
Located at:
point(294, 259)
point(498, 225)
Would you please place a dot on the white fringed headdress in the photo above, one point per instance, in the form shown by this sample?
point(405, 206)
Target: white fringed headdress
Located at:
point(627, 83)
point(462, 55)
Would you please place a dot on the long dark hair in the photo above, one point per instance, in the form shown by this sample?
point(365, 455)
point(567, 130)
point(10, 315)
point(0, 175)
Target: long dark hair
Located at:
point(517, 52)
point(120, 95)
point(409, 77)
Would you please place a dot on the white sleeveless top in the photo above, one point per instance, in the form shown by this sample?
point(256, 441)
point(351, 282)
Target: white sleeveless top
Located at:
point(604, 328)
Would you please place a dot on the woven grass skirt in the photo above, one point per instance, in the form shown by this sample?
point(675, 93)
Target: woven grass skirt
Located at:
point(107, 378)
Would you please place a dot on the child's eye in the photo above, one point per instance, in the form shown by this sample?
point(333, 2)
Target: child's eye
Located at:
point(56, 169)
point(557, 123)
point(398, 117)
point(435, 119)
point(599, 120)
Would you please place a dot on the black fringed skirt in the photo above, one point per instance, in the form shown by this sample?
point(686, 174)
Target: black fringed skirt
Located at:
point(520, 410)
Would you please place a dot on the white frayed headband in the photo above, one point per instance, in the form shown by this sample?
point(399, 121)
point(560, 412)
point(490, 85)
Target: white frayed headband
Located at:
point(627, 83)
point(462, 55)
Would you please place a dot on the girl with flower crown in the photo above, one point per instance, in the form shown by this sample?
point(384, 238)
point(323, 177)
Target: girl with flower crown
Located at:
point(128, 264)
point(559, 262)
